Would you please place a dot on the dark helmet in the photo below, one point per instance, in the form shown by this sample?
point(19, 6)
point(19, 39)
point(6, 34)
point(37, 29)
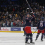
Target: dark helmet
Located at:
point(42, 18)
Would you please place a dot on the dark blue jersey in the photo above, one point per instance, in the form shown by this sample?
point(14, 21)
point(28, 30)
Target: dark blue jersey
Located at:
point(41, 25)
point(44, 24)
point(28, 21)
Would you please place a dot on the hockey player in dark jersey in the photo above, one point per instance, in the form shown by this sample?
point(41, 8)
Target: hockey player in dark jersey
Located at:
point(44, 29)
point(40, 30)
point(27, 29)
point(28, 19)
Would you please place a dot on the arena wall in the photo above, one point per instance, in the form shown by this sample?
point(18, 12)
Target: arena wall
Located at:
point(16, 29)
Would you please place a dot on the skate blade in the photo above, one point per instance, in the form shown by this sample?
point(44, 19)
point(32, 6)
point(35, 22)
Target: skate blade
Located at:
point(29, 43)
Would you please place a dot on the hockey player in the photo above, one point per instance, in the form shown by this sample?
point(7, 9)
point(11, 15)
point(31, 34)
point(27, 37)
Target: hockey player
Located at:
point(44, 29)
point(28, 19)
point(28, 33)
point(24, 31)
point(27, 29)
point(40, 29)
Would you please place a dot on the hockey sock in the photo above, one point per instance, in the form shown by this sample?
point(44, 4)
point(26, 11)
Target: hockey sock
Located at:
point(26, 38)
point(30, 39)
point(37, 36)
point(42, 37)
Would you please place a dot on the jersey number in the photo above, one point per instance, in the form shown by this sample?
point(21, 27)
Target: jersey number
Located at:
point(41, 24)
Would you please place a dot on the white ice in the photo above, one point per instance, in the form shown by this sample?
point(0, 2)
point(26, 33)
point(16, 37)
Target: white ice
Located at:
point(17, 39)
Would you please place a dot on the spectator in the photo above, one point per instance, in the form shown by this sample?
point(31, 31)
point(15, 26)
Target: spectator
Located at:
point(13, 14)
point(14, 24)
point(11, 23)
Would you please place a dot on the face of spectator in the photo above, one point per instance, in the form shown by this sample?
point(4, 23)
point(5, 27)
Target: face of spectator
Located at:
point(28, 15)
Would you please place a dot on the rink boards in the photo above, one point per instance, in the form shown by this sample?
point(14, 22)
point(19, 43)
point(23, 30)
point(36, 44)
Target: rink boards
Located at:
point(16, 29)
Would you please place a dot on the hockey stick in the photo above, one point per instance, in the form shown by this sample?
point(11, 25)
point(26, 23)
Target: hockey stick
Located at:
point(34, 32)
point(29, 5)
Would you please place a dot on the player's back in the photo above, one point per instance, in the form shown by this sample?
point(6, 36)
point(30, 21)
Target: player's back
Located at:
point(41, 25)
point(28, 29)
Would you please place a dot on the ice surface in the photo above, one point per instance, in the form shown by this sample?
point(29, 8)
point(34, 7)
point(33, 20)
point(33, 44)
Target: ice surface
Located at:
point(17, 39)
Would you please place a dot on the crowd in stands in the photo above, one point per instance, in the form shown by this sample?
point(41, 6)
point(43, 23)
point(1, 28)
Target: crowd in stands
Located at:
point(13, 15)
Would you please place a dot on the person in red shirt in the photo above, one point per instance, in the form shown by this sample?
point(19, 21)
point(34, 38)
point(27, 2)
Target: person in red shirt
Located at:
point(28, 33)
point(14, 24)
point(27, 29)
